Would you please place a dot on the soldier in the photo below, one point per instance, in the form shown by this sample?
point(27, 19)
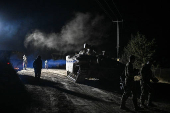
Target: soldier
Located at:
point(37, 64)
point(46, 64)
point(146, 86)
point(129, 85)
point(24, 62)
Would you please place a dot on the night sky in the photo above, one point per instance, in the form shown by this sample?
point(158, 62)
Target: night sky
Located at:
point(63, 26)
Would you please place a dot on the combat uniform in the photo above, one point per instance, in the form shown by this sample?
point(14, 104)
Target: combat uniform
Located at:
point(37, 64)
point(46, 64)
point(129, 86)
point(146, 86)
point(24, 62)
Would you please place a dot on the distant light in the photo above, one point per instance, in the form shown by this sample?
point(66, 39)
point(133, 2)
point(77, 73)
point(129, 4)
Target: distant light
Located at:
point(118, 59)
point(8, 63)
point(16, 68)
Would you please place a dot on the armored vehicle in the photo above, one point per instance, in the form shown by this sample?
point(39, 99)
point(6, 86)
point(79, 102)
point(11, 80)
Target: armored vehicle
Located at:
point(88, 64)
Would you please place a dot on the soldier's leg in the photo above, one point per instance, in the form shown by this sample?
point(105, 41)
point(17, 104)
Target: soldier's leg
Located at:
point(143, 93)
point(127, 92)
point(23, 65)
point(150, 91)
point(134, 98)
point(125, 96)
point(35, 71)
point(39, 73)
point(134, 92)
point(149, 99)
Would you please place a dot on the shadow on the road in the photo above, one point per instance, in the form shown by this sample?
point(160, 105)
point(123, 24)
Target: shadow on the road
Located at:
point(13, 96)
point(47, 83)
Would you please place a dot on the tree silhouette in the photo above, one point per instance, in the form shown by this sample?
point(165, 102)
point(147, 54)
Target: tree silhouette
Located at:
point(141, 48)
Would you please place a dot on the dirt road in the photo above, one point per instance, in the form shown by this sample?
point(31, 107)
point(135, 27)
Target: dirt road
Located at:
point(55, 93)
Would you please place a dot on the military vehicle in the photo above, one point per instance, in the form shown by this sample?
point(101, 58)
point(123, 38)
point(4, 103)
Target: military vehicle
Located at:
point(88, 64)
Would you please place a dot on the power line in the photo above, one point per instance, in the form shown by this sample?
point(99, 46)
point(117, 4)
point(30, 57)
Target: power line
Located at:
point(112, 21)
point(117, 9)
point(110, 9)
point(101, 6)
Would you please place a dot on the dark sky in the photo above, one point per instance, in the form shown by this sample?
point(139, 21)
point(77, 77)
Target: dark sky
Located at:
point(64, 25)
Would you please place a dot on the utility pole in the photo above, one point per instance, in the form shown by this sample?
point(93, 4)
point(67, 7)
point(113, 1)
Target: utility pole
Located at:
point(117, 38)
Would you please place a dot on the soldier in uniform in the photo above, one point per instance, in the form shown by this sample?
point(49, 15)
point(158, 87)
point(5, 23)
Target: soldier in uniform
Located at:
point(129, 85)
point(146, 86)
point(24, 62)
point(46, 64)
point(37, 64)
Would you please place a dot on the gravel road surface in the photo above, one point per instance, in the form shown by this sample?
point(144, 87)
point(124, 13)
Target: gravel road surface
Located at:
point(56, 93)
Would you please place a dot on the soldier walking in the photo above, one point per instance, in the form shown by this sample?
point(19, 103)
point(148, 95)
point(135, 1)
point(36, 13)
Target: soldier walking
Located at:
point(37, 64)
point(130, 85)
point(146, 86)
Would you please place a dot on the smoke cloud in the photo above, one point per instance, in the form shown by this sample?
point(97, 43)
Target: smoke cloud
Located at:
point(83, 28)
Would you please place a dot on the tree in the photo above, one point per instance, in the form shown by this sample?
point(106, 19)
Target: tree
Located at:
point(141, 48)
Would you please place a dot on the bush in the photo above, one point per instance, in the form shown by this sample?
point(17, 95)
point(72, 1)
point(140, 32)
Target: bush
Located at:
point(141, 48)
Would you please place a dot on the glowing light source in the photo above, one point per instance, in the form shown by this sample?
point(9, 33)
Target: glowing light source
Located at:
point(16, 68)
